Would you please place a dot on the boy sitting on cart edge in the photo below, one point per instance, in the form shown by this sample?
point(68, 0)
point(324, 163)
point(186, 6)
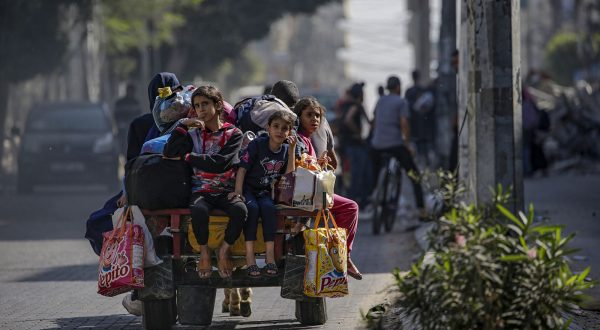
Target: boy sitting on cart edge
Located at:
point(263, 162)
point(212, 151)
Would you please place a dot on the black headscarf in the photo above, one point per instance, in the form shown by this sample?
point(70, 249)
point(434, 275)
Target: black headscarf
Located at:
point(143, 127)
point(158, 81)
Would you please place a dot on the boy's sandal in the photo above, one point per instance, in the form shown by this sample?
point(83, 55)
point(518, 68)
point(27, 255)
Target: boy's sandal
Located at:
point(271, 269)
point(253, 271)
point(204, 270)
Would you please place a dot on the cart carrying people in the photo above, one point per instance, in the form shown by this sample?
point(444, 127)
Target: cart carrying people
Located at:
point(200, 245)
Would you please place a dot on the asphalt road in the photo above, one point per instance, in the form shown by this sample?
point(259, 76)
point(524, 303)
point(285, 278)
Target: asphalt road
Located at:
point(48, 272)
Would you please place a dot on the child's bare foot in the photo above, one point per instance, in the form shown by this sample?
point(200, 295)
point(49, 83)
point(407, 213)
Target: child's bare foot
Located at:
point(224, 263)
point(353, 270)
point(204, 266)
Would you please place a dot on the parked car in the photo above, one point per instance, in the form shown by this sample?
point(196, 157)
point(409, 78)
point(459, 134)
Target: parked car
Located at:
point(68, 143)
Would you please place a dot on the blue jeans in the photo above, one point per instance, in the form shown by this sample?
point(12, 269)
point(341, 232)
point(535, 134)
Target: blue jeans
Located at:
point(360, 173)
point(260, 204)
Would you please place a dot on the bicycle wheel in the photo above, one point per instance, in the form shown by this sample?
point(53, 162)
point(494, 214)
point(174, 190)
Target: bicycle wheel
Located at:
point(393, 188)
point(378, 201)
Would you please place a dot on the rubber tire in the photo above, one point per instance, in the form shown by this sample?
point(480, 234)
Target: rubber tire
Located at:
point(195, 304)
point(391, 212)
point(311, 312)
point(158, 313)
point(378, 201)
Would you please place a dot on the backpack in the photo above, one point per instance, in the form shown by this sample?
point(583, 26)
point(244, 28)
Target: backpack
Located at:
point(252, 114)
point(99, 222)
point(424, 102)
point(153, 182)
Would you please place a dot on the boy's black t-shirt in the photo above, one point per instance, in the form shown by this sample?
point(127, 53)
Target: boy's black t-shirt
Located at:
point(262, 165)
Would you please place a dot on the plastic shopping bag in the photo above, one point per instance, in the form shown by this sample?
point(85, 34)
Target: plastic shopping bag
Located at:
point(304, 189)
point(283, 189)
point(156, 145)
point(150, 257)
point(325, 183)
point(121, 259)
point(170, 106)
point(326, 259)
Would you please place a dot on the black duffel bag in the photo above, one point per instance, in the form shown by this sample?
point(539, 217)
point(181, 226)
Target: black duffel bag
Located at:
point(153, 182)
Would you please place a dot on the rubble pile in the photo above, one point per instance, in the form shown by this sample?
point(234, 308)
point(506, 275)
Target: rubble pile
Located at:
point(573, 140)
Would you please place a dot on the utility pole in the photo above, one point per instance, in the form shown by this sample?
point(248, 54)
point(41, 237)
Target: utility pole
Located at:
point(446, 102)
point(490, 93)
point(419, 36)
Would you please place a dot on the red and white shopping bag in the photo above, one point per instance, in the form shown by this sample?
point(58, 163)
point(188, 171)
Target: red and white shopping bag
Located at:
point(121, 266)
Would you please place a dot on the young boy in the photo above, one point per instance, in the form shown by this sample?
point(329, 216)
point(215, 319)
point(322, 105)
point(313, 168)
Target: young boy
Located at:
point(213, 148)
point(266, 158)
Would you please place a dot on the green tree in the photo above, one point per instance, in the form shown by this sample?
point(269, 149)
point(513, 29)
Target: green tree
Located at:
point(220, 29)
point(203, 34)
point(562, 57)
point(132, 26)
point(32, 42)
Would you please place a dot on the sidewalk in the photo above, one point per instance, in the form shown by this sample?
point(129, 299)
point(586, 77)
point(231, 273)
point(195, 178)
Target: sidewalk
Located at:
point(573, 201)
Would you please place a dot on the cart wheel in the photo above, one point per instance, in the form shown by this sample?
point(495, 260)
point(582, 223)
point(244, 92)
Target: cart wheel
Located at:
point(159, 313)
point(312, 312)
point(195, 304)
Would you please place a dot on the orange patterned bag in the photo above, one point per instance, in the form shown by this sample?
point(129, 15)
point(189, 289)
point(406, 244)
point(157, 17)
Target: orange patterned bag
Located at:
point(326, 259)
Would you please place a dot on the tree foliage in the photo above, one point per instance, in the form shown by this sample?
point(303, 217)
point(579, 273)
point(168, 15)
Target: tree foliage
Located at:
point(220, 29)
point(491, 269)
point(33, 41)
point(203, 34)
point(133, 25)
point(32, 38)
point(562, 57)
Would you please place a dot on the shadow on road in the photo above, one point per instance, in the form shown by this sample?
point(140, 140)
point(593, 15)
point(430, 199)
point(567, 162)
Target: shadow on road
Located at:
point(132, 322)
point(263, 324)
point(99, 322)
point(64, 273)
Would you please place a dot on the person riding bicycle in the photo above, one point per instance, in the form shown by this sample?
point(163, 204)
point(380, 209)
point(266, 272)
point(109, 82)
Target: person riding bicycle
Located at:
point(391, 135)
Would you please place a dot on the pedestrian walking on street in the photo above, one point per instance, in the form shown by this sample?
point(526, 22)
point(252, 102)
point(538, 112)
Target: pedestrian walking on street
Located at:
point(421, 102)
point(354, 147)
point(126, 109)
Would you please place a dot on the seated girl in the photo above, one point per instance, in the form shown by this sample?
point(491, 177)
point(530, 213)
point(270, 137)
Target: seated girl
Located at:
point(213, 149)
point(344, 210)
point(265, 159)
